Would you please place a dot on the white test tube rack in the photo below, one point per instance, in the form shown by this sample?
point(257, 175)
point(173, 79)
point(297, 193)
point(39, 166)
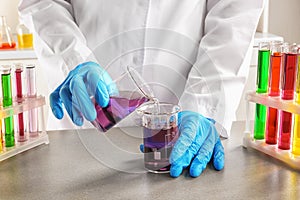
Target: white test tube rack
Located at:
point(31, 142)
point(272, 150)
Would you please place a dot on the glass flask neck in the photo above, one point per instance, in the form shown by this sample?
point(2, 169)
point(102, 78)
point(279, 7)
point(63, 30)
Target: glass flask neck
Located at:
point(3, 21)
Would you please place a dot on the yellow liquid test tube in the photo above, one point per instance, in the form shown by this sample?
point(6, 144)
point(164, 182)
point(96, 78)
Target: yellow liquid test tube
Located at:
point(1, 137)
point(296, 131)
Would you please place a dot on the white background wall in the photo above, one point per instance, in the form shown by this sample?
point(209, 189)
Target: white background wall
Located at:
point(284, 16)
point(9, 9)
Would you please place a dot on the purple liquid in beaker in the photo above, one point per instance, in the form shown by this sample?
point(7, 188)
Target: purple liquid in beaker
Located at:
point(117, 109)
point(158, 145)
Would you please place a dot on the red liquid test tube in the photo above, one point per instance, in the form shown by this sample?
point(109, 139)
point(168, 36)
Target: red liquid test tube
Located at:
point(274, 90)
point(19, 91)
point(287, 93)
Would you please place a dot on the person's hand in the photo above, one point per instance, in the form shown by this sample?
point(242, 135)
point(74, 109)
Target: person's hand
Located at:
point(198, 142)
point(86, 80)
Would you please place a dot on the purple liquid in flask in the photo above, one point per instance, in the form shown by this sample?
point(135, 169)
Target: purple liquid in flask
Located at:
point(118, 108)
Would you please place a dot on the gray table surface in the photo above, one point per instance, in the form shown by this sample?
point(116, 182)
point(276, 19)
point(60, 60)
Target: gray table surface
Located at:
point(65, 169)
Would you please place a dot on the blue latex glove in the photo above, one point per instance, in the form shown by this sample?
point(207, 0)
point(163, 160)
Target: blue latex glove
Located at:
point(199, 141)
point(86, 80)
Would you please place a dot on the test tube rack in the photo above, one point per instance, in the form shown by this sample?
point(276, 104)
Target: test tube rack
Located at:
point(248, 140)
point(31, 142)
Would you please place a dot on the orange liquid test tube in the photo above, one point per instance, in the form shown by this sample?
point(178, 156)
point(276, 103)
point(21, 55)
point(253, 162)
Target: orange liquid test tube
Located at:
point(274, 91)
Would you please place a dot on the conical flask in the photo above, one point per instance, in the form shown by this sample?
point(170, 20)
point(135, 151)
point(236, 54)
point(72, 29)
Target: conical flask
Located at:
point(6, 39)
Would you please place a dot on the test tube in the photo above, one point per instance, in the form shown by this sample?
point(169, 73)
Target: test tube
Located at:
point(261, 87)
point(31, 93)
point(287, 93)
point(7, 101)
point(274, 91)
point(1, 129)
point(1, 137)
point(296, 131)
point(19, 93)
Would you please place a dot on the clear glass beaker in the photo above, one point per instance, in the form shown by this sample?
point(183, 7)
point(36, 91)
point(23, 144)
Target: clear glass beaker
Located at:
point(160, 129)
point(132, 93)
point(6, 39)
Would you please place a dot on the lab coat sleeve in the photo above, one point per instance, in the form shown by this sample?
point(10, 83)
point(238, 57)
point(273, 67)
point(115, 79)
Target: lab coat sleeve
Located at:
point(216, 81)
point(58, 41)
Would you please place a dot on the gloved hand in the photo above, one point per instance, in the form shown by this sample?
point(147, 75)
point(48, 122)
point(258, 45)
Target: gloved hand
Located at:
point(197, 143)
point(86, 80)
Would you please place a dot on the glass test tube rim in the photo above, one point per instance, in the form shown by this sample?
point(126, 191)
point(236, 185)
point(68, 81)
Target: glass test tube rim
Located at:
point(5, 69)
point(31, 80)
point(264, 45)
point(18, 66)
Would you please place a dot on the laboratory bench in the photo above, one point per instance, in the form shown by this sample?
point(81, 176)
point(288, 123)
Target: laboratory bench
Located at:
point(65, 169)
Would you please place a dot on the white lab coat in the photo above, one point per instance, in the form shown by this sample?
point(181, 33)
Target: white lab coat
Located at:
point(195, 52)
